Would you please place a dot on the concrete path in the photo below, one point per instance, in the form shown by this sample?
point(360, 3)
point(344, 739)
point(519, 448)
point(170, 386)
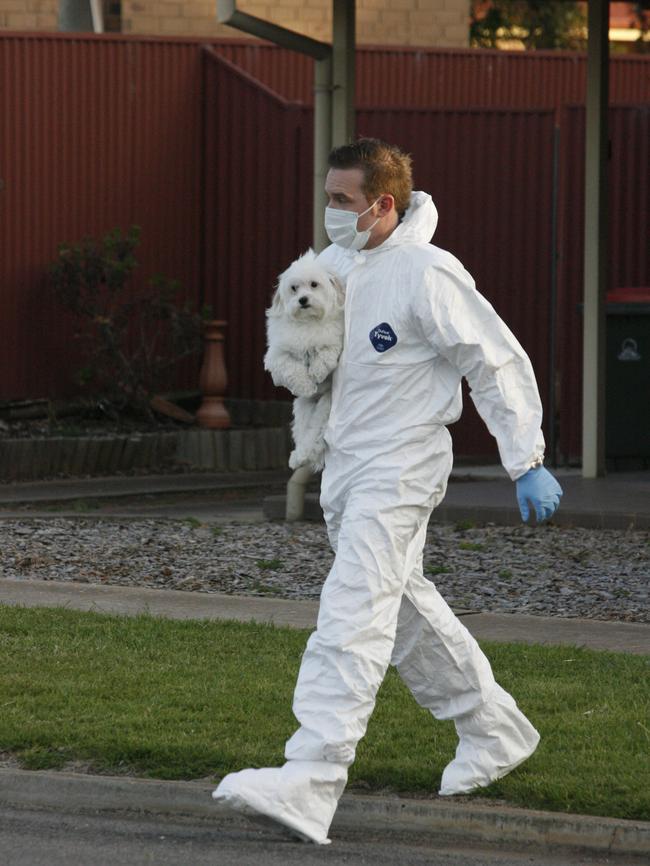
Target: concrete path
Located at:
point(60, 490)
point(620, 501)
point(176, 604)
point(480, 494)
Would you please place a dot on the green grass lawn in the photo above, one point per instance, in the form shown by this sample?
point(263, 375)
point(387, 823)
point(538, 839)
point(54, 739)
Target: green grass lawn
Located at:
point(184, 700)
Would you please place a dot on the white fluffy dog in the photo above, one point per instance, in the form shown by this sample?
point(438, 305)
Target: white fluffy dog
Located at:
point(305, 338)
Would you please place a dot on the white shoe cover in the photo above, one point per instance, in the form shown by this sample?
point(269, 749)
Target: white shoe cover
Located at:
point(301, 796)
point(494, 740)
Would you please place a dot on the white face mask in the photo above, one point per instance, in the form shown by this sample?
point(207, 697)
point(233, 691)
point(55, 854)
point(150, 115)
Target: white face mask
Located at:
point(341, 227)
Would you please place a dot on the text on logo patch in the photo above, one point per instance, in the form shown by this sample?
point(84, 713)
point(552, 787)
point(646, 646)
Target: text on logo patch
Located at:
point(383, 337)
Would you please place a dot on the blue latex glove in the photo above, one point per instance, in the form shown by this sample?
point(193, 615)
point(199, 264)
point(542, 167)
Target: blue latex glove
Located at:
point(542, 490)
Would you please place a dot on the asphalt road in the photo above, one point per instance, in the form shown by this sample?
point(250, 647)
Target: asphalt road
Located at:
point(35, 838)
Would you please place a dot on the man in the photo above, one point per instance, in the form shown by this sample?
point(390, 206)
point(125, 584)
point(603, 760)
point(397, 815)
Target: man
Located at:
point(414, 326)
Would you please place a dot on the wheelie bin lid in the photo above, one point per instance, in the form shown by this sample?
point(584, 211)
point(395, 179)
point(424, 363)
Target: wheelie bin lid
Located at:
point(629, 295)
point(629, 300)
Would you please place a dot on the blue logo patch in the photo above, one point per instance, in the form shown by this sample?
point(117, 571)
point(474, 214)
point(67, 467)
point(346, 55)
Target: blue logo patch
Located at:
point(383, 337)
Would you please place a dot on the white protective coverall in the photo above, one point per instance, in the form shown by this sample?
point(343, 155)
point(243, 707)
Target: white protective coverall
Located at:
point(414, 325)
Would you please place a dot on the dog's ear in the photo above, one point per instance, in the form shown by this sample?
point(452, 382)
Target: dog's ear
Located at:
point(339, 289)
point(277, 305)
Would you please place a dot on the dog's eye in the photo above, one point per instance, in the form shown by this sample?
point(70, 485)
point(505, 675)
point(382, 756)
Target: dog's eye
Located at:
point(294, 288)
point(314, 284)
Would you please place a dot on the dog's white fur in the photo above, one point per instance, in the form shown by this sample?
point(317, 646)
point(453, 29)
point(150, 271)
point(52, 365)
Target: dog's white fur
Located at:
point(305, 339)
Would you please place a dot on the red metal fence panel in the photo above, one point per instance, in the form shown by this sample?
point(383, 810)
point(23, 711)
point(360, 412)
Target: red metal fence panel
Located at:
point(448, 78)
point(439, 78)
point(95, 134)
point(257, 195)
point(289, 74)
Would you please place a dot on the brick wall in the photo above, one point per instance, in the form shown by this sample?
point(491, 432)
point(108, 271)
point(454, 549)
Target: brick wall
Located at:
point(29, 14)
point(440, 23)
point(435, 23)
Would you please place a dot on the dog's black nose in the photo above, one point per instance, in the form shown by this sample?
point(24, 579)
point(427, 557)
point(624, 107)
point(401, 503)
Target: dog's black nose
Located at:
point(304, 302)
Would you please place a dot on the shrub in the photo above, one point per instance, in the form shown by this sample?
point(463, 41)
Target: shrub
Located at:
point(130, 338)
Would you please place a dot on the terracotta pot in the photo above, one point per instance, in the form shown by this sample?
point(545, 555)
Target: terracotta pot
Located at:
point(213, 379)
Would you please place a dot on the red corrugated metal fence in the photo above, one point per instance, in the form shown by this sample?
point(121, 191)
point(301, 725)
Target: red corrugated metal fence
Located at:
point(94, 134)
point(98, 132)
point(448, 78)
point(257, 198)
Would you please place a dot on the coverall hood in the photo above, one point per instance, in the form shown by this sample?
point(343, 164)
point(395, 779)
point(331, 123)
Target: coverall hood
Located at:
point(417, 226)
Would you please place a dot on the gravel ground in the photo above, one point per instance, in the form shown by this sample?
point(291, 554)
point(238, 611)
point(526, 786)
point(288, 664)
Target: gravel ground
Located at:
point(549, 571)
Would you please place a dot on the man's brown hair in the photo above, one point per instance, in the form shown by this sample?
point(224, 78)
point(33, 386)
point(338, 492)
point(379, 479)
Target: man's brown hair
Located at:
point(385, 169)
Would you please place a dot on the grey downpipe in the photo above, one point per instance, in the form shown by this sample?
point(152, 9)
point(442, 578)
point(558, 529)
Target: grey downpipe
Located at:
point(296, 489)
point(552, 373)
